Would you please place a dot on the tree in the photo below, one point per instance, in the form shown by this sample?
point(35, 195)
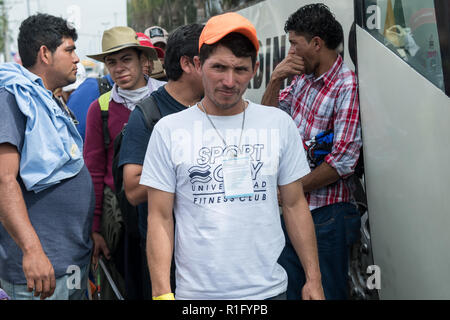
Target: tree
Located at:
point(170, 14)
point(2, 25)
point(146, 13)
point(229, 4)
point(5, 37)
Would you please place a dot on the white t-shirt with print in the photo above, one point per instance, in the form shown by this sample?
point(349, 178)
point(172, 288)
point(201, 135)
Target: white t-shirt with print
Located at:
point(225, 249)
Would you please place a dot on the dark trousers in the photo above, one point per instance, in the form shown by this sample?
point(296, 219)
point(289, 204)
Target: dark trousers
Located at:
point(337, 228)
point(147, 284)
point(134, 284)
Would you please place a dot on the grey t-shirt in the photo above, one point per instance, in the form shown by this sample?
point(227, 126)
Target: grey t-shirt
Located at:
point(61, 215)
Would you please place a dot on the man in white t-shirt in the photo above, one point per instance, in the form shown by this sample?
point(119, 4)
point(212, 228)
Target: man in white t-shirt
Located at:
point(217, 165)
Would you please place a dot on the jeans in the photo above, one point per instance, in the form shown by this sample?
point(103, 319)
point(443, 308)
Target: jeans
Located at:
point(62, 290)
point(337, 228)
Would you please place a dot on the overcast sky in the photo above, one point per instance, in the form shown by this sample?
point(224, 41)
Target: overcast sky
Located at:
point(92, 16)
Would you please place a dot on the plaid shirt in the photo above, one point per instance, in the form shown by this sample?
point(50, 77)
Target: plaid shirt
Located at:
point(328, 102)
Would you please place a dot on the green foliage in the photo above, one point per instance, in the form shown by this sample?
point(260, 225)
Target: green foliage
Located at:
point(170, 14)
point(2, 25)
point(229, 4)
point(145, 13)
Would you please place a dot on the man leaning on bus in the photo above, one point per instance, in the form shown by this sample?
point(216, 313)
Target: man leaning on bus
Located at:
point(323, 101)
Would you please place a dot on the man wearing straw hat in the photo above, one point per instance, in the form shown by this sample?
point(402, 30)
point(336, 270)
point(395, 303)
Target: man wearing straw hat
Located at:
point(124, 57)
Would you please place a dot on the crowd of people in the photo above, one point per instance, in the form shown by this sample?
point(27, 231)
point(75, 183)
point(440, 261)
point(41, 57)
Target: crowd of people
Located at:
point(160, 181)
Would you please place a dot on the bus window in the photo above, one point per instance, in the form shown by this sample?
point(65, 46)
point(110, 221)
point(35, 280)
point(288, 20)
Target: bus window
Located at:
point(409, 29)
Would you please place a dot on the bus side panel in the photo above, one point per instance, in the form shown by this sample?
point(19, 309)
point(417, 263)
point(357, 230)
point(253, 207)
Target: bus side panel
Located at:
point(405, 122)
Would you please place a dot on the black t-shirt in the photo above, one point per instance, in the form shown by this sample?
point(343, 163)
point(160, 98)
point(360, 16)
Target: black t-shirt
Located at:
point(136, 138)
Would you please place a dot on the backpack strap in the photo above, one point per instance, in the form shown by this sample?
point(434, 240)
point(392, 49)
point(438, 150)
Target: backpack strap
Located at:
point(150, 111)
point(104, 108)
point(103, 86)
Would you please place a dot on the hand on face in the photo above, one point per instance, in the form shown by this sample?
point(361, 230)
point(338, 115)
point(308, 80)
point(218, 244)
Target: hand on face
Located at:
point(292, 65)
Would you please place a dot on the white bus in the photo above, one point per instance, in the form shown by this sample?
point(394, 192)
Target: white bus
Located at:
point(400, 51)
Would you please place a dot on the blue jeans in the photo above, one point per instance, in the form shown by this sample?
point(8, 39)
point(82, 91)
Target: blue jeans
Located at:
point(62, 290)
point(337, 228)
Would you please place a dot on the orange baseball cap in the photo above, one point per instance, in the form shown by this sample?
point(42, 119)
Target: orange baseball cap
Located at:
point(219, 26)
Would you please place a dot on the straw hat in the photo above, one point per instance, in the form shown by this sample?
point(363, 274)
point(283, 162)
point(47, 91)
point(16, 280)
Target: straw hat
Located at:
point(158, 71)
point(119, 38)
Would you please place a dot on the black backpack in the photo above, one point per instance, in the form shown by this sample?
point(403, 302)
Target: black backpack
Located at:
point(152, 115)
point(103, 86)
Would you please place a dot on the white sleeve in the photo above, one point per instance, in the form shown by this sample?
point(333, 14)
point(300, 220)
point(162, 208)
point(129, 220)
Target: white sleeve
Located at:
point(158, 171)
point(293, 162)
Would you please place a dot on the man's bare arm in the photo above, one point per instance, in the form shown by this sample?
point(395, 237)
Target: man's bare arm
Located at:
point(160, 240)
point(320, 177)
point(270, 97)
point(135, 192)
point(14, 216)
point(300, 228)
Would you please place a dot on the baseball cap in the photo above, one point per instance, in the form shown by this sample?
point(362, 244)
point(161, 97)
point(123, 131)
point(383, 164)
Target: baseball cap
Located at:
point(157, 34)
point(219, 26)
point(145, 41)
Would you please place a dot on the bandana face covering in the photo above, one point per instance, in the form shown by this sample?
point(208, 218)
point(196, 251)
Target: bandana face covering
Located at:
point(132, 97)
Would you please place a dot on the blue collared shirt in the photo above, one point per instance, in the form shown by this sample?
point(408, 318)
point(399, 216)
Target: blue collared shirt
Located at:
point(52, 149)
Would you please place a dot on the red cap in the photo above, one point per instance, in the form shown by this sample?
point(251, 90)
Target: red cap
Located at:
point(219, 26)
point(145, 41)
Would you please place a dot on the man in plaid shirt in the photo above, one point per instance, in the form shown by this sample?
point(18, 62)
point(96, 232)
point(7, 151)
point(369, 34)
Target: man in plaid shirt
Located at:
point(323, 96)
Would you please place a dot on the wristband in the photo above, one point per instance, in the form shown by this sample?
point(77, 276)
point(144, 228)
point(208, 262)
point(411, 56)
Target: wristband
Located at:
point(167, 296)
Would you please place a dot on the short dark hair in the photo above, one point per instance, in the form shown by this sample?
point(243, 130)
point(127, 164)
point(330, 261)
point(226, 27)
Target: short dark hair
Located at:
point(240, 45)
point(316, 20)
point(42, 30)
point(182, 42)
